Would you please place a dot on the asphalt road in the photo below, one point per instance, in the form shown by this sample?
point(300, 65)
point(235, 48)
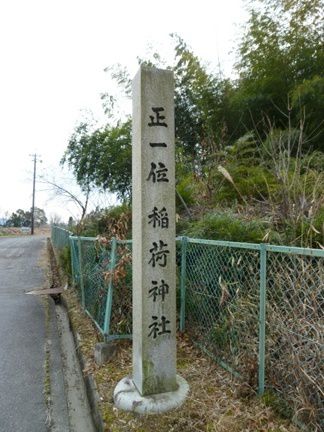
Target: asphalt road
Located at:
point(23, 337)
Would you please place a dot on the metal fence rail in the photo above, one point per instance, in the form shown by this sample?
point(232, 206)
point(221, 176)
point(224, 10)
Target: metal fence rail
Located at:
point(257, 309)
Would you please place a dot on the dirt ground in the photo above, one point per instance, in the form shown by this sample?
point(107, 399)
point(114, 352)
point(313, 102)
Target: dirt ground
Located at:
point(216, 402)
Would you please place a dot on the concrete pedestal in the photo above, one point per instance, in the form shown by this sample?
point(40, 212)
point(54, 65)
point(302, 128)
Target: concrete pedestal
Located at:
point(127, 398)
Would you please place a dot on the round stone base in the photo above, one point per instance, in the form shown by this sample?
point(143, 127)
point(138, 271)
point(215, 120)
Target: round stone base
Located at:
point(127, 398)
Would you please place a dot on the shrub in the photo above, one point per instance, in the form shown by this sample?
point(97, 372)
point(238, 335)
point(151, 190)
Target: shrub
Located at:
point(250, 182)
point(188, 189)
point(99, 221)
point(228, 226)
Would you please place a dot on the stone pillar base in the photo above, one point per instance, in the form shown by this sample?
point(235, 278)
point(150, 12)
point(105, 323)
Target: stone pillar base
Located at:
point(127, 398)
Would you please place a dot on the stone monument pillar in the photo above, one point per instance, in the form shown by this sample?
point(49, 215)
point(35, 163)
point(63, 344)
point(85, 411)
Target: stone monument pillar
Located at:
point(154, 387)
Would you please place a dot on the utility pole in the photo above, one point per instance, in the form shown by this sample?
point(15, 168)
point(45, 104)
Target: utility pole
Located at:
point(33, 203)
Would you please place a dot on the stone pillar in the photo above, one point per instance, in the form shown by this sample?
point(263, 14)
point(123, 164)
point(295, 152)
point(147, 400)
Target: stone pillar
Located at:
point(154, 260)
point(154, 281)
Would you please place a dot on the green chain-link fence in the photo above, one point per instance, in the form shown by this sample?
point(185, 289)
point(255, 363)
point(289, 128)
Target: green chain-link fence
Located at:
point(256, 309)
point(294, 349)
point(60, 237)
point(222, 302)
point(259, 311)
point(103, 277)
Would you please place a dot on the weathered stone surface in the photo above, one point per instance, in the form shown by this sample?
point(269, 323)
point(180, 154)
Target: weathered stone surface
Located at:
point(104, 352)
point(154, 275)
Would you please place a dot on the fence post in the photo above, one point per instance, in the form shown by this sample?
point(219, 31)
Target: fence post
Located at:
point(81, 274)
point(110, 287)
point(71, 246)
point(183, 274)
point(262, 317)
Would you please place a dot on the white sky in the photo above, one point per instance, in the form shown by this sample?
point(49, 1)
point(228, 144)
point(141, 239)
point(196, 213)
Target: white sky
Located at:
point(52, 56)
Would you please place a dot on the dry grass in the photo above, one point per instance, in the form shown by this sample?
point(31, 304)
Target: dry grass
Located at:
point(6, 231)
point(213, 403)
point(12, 231)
